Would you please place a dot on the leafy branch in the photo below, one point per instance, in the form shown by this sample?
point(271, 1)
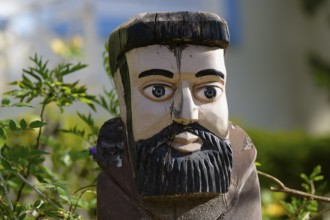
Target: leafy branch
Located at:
point(285, 189)
point(307, 206)
point(108, 101)
point(18, 164)
point(40, 81)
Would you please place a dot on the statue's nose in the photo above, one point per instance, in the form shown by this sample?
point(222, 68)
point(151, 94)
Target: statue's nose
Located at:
point(184, 109)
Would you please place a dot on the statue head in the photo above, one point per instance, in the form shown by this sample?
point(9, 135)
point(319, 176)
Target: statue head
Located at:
point(170, 76)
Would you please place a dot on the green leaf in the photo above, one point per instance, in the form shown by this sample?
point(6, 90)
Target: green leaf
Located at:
point(318, 178)
point(37, 124)
point(304, 177)
point(257, 164)
point(27, 83)
point(92, 107)
point(2, 142)
point(3, 134)
point(38, 203)
point(312, 206)
point(12, 125)
point(37, 153)
point(306, 187)
point(23, 124)
point(31, 73)
point(316, 171)
point(6, 164)
point(22, 104)
point(5, 102)
point(84, 100)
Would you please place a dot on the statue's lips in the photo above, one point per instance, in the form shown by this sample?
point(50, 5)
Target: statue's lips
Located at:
point(186, 142)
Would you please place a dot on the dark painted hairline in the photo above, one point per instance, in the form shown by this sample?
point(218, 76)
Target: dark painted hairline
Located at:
point(168, 74)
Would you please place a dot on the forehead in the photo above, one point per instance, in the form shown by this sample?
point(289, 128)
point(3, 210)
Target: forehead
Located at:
point(189, 59)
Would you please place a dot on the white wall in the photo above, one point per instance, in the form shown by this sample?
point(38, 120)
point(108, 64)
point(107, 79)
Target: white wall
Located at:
point(270, 83)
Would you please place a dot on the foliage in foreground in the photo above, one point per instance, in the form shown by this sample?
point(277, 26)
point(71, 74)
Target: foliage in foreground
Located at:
point(34, 163)
point(292, 203)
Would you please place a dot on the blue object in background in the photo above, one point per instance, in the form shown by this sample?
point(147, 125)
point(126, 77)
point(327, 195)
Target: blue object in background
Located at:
point(233, 18)
point(106, 24)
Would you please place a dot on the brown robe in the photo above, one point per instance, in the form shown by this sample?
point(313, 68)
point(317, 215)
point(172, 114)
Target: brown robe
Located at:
point(118, 198)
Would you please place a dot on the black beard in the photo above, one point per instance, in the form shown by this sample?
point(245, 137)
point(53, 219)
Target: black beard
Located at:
point(161, 170)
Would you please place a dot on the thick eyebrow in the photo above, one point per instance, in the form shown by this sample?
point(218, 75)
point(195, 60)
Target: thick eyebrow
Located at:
point(212, 72)
point(160, 72)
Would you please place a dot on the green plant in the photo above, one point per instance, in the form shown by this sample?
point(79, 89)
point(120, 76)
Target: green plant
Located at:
point(38, 155)
point(107, 101)
point(30, 189)
point(302, 207)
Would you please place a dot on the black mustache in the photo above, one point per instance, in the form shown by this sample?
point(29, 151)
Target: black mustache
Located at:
point(168, 133)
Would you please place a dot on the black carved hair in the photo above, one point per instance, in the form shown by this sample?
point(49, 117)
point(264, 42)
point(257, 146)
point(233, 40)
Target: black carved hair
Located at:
point(171, 28)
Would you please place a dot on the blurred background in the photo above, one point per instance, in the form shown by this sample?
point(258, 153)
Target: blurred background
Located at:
point(278, 64)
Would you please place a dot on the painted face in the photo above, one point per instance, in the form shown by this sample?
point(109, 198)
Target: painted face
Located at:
point(178, 118)
point(184, 85)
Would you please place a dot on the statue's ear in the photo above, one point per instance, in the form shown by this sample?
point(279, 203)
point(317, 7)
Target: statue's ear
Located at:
point(121, 94)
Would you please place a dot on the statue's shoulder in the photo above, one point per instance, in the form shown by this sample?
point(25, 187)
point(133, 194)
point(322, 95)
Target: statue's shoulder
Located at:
point(244, 154)
point(244, 191)
point(241, 142)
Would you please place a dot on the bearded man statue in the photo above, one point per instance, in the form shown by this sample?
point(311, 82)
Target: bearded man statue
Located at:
point(172, 153)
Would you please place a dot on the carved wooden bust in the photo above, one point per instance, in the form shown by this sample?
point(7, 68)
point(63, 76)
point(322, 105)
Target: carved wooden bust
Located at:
point(173, 154)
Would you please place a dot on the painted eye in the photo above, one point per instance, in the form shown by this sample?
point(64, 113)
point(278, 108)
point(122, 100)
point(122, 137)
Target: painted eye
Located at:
point(158, 92)
point(209, 93)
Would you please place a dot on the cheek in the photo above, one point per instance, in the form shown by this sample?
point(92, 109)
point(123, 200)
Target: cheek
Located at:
point(148, 117)
point(214, 117)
